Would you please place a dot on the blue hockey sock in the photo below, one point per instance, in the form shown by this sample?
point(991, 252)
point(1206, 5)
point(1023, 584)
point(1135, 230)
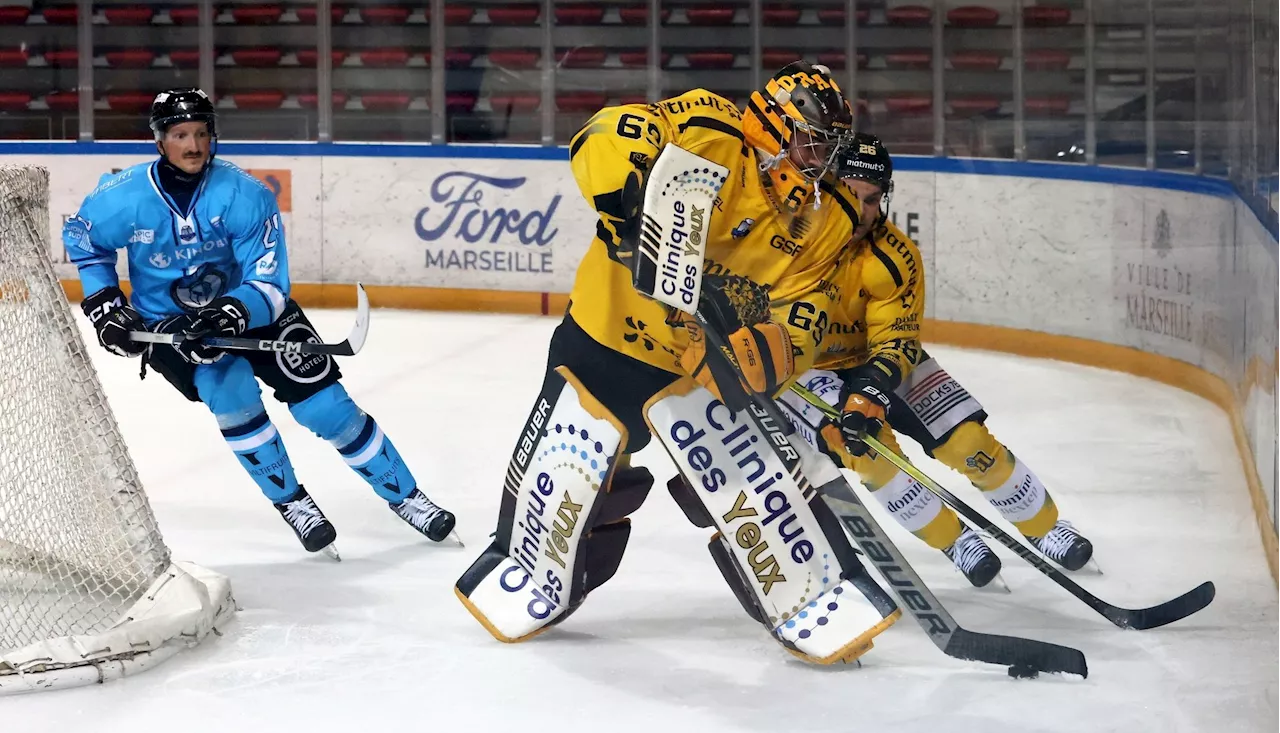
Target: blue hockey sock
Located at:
point(260, 450)
point(333, 416)
point(378, 462)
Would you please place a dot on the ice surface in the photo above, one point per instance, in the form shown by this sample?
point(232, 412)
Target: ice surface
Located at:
point(378, 642)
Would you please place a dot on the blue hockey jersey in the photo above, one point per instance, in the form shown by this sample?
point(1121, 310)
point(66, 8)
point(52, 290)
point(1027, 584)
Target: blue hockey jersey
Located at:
point(229, 242)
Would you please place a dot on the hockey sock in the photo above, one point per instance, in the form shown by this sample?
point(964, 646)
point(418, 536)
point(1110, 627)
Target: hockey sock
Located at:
point(916, 508)
point(333, 416)
point(260, 450)
point(1005, 480)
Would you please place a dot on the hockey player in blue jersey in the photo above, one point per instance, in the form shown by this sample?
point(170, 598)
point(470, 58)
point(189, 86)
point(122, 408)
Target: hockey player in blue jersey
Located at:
point(206, 256)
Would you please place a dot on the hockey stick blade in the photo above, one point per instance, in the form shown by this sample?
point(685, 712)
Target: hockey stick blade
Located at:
point(349, 347)
point(1023, 655)
point(1125, 618)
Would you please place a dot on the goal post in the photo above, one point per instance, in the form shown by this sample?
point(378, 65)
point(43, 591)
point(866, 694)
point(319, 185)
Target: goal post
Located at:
point(88, 590)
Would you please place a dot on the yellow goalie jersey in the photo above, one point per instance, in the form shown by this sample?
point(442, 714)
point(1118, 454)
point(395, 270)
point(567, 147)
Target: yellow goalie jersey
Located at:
point(747, 236)
point(878, 322)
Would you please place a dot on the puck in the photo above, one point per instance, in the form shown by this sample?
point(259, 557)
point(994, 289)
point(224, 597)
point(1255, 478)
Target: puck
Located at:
point(1023, 672)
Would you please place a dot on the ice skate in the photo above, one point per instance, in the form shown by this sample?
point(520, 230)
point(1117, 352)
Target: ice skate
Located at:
point(1065, 546)
point(309, 523)
point(423, 515)
point(973, 558)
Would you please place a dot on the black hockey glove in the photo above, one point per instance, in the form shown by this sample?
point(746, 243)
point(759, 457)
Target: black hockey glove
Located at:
point(864, 400)
point(223, 317)
point(113, 318)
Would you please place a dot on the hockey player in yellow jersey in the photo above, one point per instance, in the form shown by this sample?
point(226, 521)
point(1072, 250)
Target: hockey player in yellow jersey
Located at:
point(873, 366)
point(777, 231)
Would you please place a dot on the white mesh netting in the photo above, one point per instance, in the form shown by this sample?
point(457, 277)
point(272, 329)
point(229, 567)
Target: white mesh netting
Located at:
point(79, 546)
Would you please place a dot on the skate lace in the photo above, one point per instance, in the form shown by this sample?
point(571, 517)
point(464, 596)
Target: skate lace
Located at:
point(1058, 541)
point(418, 511)
point(968, 550)
point(303, 514)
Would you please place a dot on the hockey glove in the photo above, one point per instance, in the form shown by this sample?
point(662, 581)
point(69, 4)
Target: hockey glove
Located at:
point(113, 318)
point(864, 401)
point(223, 317)
point(758, 349)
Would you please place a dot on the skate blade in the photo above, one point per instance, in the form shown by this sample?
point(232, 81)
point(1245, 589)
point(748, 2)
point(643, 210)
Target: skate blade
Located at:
point(993, 588)
point(453, 535)
point(331, 550)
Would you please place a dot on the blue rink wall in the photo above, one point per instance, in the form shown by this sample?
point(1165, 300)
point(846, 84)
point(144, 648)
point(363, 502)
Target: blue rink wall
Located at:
point(1166, 275)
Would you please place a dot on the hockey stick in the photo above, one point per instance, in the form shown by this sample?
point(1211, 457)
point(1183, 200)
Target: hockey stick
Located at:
point(349, 347)
point(1126, 618)
point(1024, 657)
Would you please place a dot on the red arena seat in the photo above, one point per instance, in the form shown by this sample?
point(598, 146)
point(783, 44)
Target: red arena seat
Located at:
point(11, 57)
point(709, 16)
point(63, 58)
point(256, 14)
point(976, 60)
point(579, 14)
point(307, 14)
point(776, 58)
point(309, 56)
point(580, 101)
point(633, 99)
point(905, 105)
point(1047, 106)
point(974, 104)
point(1046, 15)
point(385, 101)
point(710, 59)
point(514, 58)
point(909, 15)
point(14, 15)
point(514, 15)
point(14, 101)
point(639, 14)
point(973, 16)
point(264, 99)
point(835, 16)
point(256, 56)
point(310, 100)
point(60, 15)
point(130, 101)
point(385, 14)
point(185, 58)
point(130, 58)
point(454, 58)
point(63, 101)
point(636, 59)
point(1046, 59)
point(459, 102)
point(128, 14)
point(519, 102)
point(185, 15)
point(837, 59)
point(780, 15)
point(384, 57)
point(457, 14)
point(582, 57)
point(912, 58)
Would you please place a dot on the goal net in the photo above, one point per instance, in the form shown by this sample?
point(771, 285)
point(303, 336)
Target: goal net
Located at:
point(88, 590)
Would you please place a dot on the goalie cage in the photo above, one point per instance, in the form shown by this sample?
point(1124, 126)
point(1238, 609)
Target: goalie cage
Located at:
point(87, 586)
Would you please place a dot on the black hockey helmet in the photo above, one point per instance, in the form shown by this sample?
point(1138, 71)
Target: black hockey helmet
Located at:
point(866, 159)
point(182, 105)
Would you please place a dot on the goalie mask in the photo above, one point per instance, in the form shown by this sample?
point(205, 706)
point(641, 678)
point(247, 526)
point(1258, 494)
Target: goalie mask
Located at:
point(799, 124)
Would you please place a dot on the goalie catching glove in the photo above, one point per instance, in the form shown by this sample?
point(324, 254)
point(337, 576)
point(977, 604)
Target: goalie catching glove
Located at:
point(758, 349)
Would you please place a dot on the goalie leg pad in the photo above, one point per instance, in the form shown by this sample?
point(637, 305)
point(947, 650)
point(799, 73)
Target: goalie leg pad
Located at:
point(693, 509)
point(811, 591)
point(557, 487)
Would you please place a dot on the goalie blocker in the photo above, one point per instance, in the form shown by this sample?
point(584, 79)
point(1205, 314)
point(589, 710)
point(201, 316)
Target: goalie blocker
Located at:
point(778, 546)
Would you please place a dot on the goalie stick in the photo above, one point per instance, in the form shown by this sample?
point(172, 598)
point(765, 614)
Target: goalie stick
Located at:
point(348, 347)
point(1126, 618)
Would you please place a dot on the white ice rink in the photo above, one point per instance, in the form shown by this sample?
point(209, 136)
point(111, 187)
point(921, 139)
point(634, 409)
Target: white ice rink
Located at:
point(378, 642)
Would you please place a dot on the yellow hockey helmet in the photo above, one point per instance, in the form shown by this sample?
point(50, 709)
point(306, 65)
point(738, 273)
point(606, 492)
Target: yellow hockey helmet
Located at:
point(798, 123)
